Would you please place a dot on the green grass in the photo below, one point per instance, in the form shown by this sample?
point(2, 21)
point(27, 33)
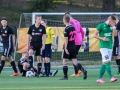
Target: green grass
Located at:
point(53, 83)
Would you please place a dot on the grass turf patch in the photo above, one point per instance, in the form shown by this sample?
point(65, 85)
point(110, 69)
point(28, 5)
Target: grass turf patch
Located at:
point(53, 83)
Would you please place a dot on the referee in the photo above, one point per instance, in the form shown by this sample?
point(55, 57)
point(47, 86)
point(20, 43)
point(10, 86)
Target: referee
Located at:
point(35, 43)
point(8, 38)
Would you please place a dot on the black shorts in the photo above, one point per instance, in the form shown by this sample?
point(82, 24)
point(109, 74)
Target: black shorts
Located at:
point(116, 50)
point(37, 48)
point(72, 53)
point(47, 51)
point(7, 51)
point(77, 49)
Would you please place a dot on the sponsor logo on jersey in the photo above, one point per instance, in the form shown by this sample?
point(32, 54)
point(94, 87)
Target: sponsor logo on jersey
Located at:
point(108, 34)
point(40, 30)
point(36, 33)
point(33, 30)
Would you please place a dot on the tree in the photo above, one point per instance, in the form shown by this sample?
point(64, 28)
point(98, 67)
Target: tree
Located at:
point(108, 6)
point(41, 5)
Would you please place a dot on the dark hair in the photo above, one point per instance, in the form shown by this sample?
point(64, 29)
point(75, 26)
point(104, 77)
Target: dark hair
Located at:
point(3, 18)
point(67, 13)
point(113, 16)
point(67, 18)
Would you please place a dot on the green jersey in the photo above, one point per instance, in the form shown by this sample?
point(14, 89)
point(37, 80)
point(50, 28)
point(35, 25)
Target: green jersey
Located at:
point(105, 31)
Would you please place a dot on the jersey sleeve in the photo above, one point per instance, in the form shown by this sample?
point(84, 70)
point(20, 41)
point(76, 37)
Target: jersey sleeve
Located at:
point(65, 33)
point(29, 30)
point(52, 32)
point(99, 28)
point(44, 30)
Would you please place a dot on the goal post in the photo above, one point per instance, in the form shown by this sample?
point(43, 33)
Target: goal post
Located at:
point(54, 20)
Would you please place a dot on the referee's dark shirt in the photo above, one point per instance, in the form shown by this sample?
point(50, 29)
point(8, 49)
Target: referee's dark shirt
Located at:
point(36, 33)
point(6, 35)
point(117, 38)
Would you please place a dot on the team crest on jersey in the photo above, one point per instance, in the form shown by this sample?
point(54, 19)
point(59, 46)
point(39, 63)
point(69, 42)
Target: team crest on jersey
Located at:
point(5, 31)
point(40, 30)
point(33, 30)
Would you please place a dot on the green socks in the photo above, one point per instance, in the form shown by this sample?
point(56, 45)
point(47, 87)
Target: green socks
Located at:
point(108, 69)
point(102, 71)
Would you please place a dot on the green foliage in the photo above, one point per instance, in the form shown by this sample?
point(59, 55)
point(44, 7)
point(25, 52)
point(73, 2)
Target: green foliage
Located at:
point(41, 5)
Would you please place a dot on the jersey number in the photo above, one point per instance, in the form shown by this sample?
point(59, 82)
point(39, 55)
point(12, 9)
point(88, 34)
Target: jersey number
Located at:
point(72, 36)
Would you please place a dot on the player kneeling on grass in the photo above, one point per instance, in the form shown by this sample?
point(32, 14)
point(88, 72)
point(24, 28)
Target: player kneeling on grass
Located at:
point(8, 38)
point(104, 34)
point(25, 65)
point(70, 49)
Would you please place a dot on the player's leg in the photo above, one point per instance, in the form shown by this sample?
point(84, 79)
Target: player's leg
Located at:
point(12, 62)
point(31, 51)
point(47, 58)
point(38, 54)
point(77, 72)
point(65, 66)
point(116, 54)
point(3, 57)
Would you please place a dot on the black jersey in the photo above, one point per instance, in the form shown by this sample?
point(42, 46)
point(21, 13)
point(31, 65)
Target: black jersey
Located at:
point(36, 33)
point(69, 32)
point(6, 36)
point(21, 61)
point(117, 38)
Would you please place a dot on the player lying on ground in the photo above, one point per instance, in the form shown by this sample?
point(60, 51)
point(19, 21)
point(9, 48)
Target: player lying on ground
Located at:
point(49, 45)
point(116, 46)
point(8, 38)
point(78, 39)
point(70, 49)
point(24, 65)
point(104, 35)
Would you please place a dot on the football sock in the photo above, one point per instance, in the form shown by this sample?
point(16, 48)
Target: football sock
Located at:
point(24, 73)
point(39, 66)
point(31, 61)
point(75, 68)
point(2, 65)
point(118, 64)
point(48, 68)
point(45, 66)
point(102, 71)
point(108, 69)
point(14, 66)
point(65, 70)
point(79, 66)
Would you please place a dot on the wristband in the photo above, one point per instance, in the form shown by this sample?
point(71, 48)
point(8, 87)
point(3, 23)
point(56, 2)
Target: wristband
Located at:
point(114, 27)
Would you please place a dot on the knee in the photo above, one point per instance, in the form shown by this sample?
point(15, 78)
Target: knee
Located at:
point(39, 59)
point(3, 58)
point(24, 66)
point(30, 52)
point(47, 60)
point(64, 61)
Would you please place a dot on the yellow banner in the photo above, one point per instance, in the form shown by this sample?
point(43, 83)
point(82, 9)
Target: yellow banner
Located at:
point(90, 44)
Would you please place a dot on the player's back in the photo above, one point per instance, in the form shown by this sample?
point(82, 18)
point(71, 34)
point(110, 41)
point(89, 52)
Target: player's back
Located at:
point(70, 33)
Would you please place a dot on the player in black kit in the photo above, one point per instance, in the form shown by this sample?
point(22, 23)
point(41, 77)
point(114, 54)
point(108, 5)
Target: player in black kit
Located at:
point(70, 49)
point(116, 46)
point(35, 43)
point(8, 38)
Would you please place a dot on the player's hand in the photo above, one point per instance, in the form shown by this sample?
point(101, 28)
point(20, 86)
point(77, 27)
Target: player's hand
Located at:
point(105, 39)
point(43, 47)
point(66, 51)
point(52, 46)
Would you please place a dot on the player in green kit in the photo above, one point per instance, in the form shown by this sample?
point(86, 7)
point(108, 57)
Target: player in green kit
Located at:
point(104, 35)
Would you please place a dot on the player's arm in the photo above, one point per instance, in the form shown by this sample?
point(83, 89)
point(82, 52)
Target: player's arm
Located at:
point(29, 36)
point(96, 35)
point(66, 41)
point(44, 38)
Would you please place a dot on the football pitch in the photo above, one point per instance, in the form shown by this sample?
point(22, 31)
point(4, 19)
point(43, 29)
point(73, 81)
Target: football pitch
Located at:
point(53, 83)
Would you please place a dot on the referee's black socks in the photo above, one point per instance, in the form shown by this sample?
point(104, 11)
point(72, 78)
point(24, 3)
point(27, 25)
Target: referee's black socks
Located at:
point(76, 69)
point(65, 70)
point(48, 68)
point(118, 64)
point(14, 66)
point(2, 65)
point(39, 66)
point(79, 66)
